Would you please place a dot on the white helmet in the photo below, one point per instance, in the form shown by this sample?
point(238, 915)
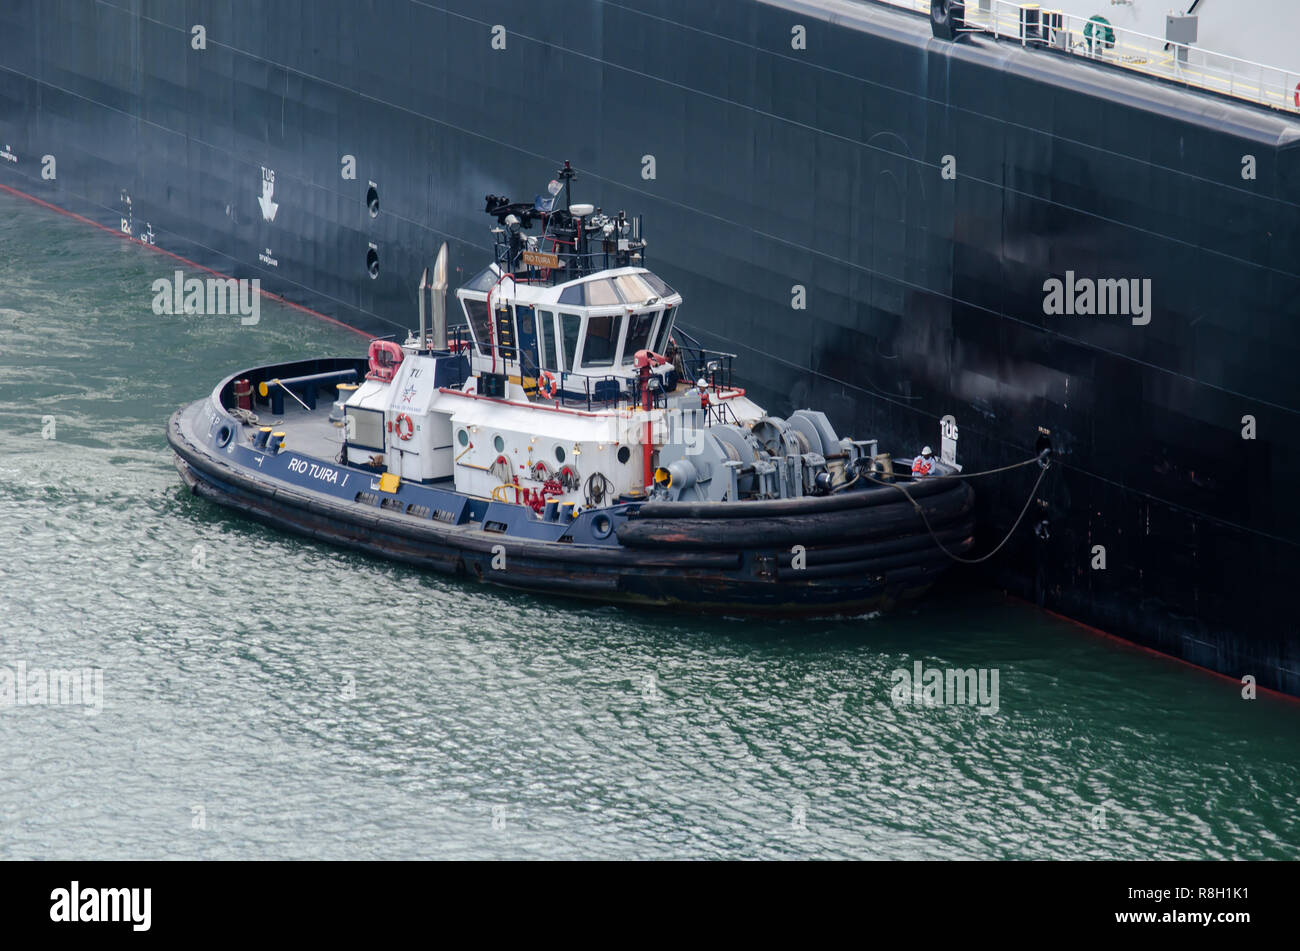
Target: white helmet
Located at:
point(927, 451)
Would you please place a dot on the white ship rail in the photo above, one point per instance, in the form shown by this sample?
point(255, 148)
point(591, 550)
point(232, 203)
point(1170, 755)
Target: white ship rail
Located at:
point(1190, 65)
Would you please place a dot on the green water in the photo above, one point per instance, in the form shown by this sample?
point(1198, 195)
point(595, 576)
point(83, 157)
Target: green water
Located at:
point(298, 701)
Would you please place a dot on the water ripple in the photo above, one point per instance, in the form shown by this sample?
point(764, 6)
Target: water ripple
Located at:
point(269, 697)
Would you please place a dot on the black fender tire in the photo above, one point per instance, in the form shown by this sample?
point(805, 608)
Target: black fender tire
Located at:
point(947, 17)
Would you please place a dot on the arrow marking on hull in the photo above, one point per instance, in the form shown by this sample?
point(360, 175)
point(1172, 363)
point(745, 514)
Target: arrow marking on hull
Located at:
point(269, 207)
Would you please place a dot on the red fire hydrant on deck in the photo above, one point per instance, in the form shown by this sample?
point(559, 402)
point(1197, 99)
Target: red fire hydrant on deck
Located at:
point(644, 361)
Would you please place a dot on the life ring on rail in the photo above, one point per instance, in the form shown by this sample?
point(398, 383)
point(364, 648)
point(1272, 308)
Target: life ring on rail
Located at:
point(1297, 95)
point(546, 384)
point(403, 426)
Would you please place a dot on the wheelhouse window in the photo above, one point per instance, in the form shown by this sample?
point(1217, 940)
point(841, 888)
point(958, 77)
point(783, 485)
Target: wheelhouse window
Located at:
point(602, 340)
point(638, 335)
point(485, 280)
point(526, 324)
point(575, 296)
point(480, 324)
point(665, 330)
point(572, 325)
point(602, 294)
point(633, 289)
point(657, 284)
point(550, 353)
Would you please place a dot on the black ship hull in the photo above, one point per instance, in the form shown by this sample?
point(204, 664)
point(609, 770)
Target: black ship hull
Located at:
point(772, 176)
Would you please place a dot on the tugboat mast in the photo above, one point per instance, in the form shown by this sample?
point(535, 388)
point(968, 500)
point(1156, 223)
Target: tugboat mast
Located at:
point(567, 175)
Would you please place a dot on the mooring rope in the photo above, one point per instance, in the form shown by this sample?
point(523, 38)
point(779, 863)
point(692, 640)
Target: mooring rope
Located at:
point(1042, 459)
point(1044, 462)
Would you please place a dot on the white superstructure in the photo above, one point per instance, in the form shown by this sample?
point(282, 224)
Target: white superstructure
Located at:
point(541, 397)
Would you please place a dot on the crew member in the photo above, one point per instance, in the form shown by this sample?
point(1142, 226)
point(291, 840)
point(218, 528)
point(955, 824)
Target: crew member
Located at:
point(925, 464)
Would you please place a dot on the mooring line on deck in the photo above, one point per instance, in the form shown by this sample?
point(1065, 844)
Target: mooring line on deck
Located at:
point(1044, 462)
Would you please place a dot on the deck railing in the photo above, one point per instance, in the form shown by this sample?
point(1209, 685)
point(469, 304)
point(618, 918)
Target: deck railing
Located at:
point(1190, 65)
point(599, 253)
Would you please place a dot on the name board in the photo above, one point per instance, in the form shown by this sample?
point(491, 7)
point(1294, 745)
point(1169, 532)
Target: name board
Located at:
point(541, 259)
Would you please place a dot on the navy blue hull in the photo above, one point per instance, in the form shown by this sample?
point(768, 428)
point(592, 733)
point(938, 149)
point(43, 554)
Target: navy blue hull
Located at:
point(772, 168)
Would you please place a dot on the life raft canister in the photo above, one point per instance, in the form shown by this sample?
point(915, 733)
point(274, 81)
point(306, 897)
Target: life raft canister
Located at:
point(403, 426)
point(385, 357)
point(546, 384)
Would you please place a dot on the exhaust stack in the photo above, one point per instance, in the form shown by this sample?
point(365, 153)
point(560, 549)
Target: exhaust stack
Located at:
point(438, 299)
point(424, 283)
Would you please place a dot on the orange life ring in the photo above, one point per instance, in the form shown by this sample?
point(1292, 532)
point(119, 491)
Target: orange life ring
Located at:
point(546, 384)
point(403, 426)
point(1297, 95)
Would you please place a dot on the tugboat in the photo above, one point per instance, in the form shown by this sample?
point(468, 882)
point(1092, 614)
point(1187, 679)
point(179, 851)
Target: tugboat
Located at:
point(568, 439)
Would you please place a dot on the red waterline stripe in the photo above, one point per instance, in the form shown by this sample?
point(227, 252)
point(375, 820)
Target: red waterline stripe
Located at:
point(172, 254)
point(1151, 650)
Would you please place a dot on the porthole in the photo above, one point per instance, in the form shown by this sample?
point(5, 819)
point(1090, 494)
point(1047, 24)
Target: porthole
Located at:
point(624, 454)
point(499, 444)
point(372, 263)
point(463, 437)
point(559, 453)
point(372, 201)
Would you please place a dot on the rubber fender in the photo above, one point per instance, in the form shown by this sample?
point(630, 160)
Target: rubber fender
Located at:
point(947, 18)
